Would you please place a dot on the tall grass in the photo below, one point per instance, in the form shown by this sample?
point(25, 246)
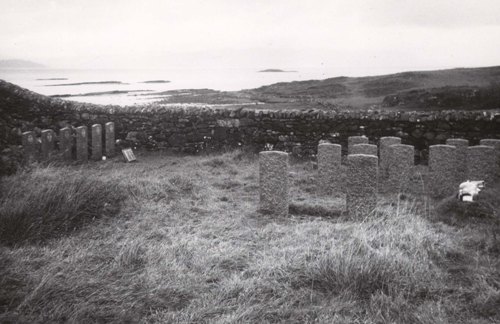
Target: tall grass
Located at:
point(189, 246)
point(49, 202)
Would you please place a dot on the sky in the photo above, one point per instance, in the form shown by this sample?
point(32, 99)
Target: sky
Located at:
point(381, 34)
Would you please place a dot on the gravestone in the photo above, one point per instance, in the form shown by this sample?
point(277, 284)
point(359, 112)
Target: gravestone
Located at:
point(481, 163)
point(29, 146)
point(329, 161)
point(368, 149)
point(109, 142)
point(443, 176)
point(362, 182)
point(495, 143)
point(82, 151)
point(96, 142)
point(65, 143)
point(461, 145)
point(48, 143)
point(273, 178)
point(400, 167)
point(353, 140)
point(385, 155)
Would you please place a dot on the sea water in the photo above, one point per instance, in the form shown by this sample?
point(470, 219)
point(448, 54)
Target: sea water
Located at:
point(133, 81)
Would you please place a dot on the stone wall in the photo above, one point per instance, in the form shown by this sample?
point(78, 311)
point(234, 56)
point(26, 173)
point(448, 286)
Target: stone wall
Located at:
point(194, 130)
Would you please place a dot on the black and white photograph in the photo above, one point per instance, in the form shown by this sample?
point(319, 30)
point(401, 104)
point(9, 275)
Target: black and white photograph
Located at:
point(237, 161)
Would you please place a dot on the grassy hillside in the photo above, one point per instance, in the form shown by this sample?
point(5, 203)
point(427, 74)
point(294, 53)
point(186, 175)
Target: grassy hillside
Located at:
point(175, 239)
point(471, 88)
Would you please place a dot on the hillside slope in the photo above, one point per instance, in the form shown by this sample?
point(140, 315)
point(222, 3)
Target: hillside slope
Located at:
point(463, 88)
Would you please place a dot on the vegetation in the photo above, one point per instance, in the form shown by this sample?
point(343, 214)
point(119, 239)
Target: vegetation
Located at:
point(473, 88)
point(185, 243)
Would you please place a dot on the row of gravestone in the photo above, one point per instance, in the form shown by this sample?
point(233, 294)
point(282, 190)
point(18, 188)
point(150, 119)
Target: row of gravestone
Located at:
point(449, 165)
point(70, 143)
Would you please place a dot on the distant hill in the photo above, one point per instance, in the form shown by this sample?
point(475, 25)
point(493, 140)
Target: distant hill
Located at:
point(462, 88)
point(19, 64)
point(275, 70)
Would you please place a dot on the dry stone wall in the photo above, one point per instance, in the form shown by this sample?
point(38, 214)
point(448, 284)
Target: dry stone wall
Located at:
point(193, 130)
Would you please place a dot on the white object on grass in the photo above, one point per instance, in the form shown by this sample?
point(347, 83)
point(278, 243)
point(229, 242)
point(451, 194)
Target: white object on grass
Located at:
point(469, 190)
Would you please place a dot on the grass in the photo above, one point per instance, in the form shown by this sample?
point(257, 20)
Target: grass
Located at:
point(187, 245)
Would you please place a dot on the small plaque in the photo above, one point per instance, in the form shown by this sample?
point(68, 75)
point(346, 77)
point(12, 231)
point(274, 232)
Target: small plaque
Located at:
point(128, 154)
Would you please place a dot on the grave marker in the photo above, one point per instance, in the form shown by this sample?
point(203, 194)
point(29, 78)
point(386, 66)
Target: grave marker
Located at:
point(109, 136)
point(48, 143)
point(368, 149)
point(400, 167)
point(329, 161)
point(65, 143)
point(353, 140)
point(443, 176)
point(385, 154)
point(481, 163)
point(29, 146)
point(461, 145)
point(96, 142)
point(273, 178)
point(82, 151)
point(362, 174)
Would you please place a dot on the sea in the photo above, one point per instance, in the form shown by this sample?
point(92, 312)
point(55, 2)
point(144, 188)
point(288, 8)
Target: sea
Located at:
point(137, 86)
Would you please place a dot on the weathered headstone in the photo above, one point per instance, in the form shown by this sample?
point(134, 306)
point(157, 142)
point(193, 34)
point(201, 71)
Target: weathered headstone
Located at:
point(109, 135)
point(400, 167)
point(481, 163)
point(329, 161)
point(48, 143)
point(96, 142)
point(385, 155)
point(29, 146)
point(65, 143)
point(353, 140)
point(443, 179)
point(273, 178)
point(495, 143)
point(82, 151)
point(361, 191)
point(368, 149)
point(461, 145)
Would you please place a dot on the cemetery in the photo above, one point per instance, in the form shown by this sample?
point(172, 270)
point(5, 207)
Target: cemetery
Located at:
point(240, 218)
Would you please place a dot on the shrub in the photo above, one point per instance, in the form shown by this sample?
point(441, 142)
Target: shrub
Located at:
point(48, 202)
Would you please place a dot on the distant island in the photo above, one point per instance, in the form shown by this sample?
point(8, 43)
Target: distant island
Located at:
point(52, 79)
point(20, 64)
point(83, 83)
point(156, 81)
point(100, 93)
point(275, 70)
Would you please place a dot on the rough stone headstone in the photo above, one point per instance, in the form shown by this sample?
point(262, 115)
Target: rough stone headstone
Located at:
point(481, 163)
point(443, 176)
point(82, 151)
point(48, 143)
point(400, 167)
point(362, 182)
point(109, 135)
point(65, 143)
point(385, 155)
point(329, 162)
point(353, 140)
point(461, 145)
point(273, 178)
point(96, 142)
point(495, 143)
point(29, 146)
point(368, 149)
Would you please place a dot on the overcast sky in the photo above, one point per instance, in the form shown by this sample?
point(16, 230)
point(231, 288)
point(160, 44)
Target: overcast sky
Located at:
point(392, 34)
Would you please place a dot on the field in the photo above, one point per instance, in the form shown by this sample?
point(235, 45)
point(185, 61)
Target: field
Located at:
point(177, 239)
